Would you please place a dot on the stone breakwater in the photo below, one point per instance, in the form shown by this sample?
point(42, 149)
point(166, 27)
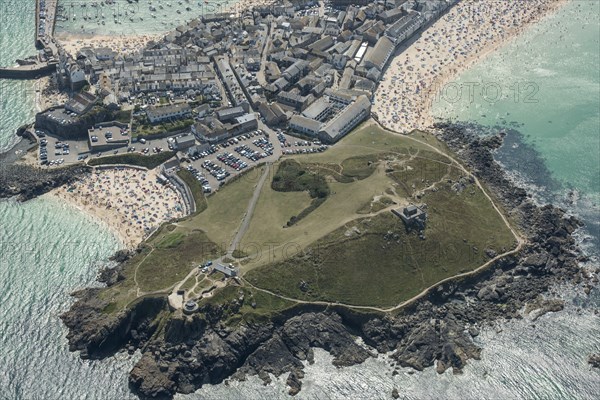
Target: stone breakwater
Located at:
point(433, 331)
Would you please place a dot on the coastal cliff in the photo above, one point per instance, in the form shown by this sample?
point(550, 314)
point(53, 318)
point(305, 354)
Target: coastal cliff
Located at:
point(181, 353)
point(27, 182)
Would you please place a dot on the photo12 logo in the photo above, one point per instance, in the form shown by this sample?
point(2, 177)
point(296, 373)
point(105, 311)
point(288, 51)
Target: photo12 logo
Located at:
point(489, 92)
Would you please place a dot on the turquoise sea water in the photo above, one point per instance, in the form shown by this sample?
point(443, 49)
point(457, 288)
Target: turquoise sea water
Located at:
point(548, 80)
point(47, 250)
point(17, 33)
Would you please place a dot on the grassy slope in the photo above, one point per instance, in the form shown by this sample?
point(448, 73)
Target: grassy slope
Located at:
point(370, 269)
point(366, 269)
point(167, 257)
point(195, 188)
point(225, 210)
point(149, 162)
point(266, 305)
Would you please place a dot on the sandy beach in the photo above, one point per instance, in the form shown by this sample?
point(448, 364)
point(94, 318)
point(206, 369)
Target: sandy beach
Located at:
point(463, 36)
point(120, 44)
point(130, 202)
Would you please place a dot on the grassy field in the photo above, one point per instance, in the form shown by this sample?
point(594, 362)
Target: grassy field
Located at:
point(140, 160)
point(375, 262)
point(225, 209)
point(352, 249)
point(291, 176)
point(195, 188)
point(166, 258)
point(265, 305)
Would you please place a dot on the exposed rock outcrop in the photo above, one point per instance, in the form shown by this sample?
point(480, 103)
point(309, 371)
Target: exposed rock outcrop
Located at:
point(594, 360)
point(27, 182)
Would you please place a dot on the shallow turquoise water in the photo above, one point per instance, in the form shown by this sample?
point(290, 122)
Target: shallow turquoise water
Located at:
point(17, 33)
point(549, 81)
point(47, 251)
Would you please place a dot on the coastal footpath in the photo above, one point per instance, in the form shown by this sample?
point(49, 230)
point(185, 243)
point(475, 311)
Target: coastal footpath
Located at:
point(180, 353)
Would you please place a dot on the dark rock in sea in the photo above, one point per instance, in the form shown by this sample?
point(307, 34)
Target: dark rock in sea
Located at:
point(395, 393)
point(294, 381)
point(473, 331)
point(97, 334)
point(594, 360)
point(541, 306)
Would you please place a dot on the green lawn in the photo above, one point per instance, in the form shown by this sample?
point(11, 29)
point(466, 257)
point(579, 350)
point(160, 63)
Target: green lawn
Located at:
point(140, 160)
point(225, 209)
point(338, 254)
point(173, 258)
point(195, 188)
point(375, 262)
point(350, 249)
point(265, 305)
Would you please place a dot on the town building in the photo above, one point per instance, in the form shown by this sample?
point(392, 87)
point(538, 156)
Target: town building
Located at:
point(346, 120)
point(163, 113)
point(227, 270)
point(108, 136)
point(184, 142)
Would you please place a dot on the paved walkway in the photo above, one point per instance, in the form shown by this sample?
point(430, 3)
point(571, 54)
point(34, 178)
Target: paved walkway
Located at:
point(249, 211)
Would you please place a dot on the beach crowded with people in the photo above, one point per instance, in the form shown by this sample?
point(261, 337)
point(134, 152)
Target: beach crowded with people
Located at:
point(465, 34)
point(121, 44)
point(132, 202)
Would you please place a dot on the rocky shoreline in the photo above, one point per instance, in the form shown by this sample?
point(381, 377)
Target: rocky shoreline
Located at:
point(27, 182)
point(434, 331)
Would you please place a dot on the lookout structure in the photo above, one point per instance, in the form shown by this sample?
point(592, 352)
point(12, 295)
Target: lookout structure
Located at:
point(412, 216)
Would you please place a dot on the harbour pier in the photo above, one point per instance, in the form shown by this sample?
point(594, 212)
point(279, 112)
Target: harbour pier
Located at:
point(47, 58)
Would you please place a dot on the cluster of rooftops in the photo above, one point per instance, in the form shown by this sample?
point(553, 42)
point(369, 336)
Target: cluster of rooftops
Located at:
point(300, 65)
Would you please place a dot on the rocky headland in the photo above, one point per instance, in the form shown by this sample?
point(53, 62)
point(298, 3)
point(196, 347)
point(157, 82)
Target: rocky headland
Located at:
point(27, 182)
point(181, 353)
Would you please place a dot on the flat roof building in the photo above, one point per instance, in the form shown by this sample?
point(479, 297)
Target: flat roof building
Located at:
point(108, 136)
point(227, 270)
